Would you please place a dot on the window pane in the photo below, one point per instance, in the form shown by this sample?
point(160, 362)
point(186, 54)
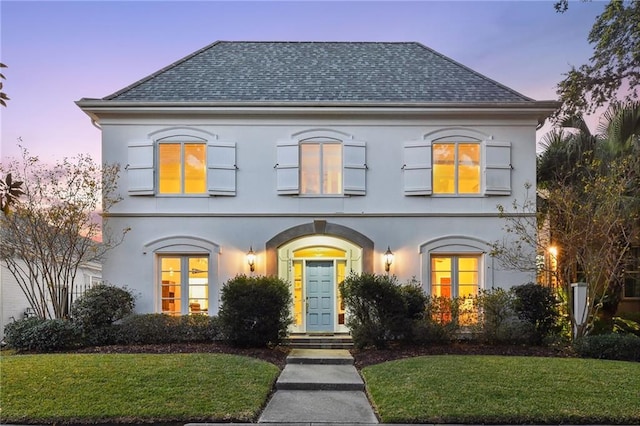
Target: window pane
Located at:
point(310, 168)
point(632, 286)
point(169, 168)
point(467, 276)
point(195, 169)
point(469, 168)
point(332, 168)
point(297, 292)
point(443, 168)
point(441, 276)
point(170, 273)
point(198, 284)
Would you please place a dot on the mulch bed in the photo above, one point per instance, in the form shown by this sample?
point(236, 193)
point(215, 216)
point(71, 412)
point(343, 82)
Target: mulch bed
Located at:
point(275, 356)
point(366, 357)
point(362, 358)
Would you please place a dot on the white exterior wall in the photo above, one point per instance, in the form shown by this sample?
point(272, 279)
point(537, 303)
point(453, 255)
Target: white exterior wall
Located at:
point(229, 225)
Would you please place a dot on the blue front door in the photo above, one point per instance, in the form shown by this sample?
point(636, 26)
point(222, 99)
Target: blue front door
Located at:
point(320, 287)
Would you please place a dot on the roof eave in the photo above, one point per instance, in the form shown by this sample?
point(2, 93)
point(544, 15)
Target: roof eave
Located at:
point(89, 104)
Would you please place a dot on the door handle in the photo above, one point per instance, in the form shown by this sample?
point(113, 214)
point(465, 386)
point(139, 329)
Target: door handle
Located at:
point(306, 303)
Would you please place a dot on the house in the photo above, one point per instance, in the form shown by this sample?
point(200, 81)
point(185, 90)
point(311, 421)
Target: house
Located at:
point(14, 305)
point(316, 159)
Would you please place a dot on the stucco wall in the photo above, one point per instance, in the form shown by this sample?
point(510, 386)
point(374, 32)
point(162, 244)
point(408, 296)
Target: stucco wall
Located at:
point(257, 213)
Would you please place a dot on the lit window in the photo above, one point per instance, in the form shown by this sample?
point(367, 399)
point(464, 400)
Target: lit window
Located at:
point(456, 277)
point(632, 275)
point(456, 168)
point(182, 168)
point(184, 284)
point(321, 168)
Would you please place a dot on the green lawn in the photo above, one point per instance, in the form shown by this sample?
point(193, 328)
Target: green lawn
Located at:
point(87, 388)
point(494, 389)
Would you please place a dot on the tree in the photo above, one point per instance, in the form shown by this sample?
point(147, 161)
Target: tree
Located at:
point(52, 229)
point(3, 96)
point(10, 192)
point(613, 72)
point(590, 206)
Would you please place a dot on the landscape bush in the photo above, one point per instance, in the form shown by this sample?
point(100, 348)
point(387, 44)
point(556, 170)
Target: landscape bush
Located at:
point(255, 311)
point(537, 305)
point(163, 328)
point(426, 331)
point(98, 308)
point(615, 346)
point(377, 309)
point(42, 335)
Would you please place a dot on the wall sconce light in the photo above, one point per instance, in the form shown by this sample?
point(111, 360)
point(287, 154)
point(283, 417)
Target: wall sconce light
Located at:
point(251, 259)
point(388, 259)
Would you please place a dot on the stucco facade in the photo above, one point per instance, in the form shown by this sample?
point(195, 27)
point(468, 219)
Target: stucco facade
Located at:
point(387, 197)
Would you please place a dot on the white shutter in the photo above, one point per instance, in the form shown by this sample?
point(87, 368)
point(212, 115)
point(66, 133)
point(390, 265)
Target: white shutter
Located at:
point(497, 168)
point(354, 167)
point(140, 168)
point(287, 167)
point(221, 168)
point(417, 168)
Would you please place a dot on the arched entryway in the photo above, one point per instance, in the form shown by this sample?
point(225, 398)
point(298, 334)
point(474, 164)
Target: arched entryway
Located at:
point(315, 264)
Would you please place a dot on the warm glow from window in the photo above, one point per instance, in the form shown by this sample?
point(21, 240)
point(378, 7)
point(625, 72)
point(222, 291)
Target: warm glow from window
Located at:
point(456, 168)
point(184, 275)
point(319, 252)
point(182, 168)
point(320, 168)
point(454, 276)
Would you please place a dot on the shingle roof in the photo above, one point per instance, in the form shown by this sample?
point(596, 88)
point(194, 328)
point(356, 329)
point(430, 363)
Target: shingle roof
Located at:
point(317, 72)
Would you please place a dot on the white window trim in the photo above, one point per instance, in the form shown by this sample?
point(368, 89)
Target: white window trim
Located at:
point(495, 163)
point(142, 173)
point(185, 245)
point(458, 245)
point(354, 166)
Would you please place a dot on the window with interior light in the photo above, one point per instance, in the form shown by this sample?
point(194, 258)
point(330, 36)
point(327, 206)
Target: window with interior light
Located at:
point(456, 168)
point(456, 277)
point(321, 168)
point(184, 284)
point(182, 168)
point(632, 275)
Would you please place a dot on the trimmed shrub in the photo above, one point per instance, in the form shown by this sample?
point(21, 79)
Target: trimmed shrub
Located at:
point(415, 299)
point(497, 320)
point(162, 328)
point(622, 347)
point(537, 306)
point(255, 311)
point(97, 309)
point(425, 331)
point(101, 306)
point(377, 309)
point(42, 335)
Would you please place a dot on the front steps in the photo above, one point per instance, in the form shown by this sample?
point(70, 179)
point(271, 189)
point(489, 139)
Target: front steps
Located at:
point(319, 341)
point(319, 386)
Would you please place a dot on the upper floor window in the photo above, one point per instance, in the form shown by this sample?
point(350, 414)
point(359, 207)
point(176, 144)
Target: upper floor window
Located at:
point(182, 168)
point(325, 162)
point(321, 168)
point(182, 162)
point(457, 165)
point(456, 168)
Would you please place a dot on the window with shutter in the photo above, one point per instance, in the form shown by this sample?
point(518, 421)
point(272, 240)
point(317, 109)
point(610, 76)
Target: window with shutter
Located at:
point(139, 168)
point(417, 168)
point(497, 168)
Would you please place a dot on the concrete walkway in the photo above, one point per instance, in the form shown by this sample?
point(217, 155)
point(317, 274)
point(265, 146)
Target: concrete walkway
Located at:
point(319, 386)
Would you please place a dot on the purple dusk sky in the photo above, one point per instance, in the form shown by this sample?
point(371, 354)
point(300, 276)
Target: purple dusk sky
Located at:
point(59, 52)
